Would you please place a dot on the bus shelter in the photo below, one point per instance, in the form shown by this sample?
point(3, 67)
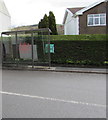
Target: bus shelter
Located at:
point(26, 48)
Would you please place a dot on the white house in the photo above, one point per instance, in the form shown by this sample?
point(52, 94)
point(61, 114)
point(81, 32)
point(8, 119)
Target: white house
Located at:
point(5, 19)
point(70, 22)
point(86, 20)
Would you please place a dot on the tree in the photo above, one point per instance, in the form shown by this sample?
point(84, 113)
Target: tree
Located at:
point(52, 23)
point(44, 23)
point(39, 24)
point(49, 22)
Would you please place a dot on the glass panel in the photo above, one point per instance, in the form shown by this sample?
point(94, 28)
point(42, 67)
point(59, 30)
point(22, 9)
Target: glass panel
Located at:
point(26, 48)
point(102, 20)
point(96, 15)
point(96, 21)
point(102, 15)
point(90, 21)
point(9, 50)
point(91, 15)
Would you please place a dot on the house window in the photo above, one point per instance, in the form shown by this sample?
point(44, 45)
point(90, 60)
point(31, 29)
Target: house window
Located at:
point(96, 19)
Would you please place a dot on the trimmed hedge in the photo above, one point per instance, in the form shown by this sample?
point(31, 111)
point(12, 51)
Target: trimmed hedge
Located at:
point(79, 52)
point(76, 49)
point(83, 37)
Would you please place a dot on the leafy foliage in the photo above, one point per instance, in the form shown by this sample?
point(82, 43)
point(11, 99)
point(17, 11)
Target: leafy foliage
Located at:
point(79, 50)
point(44, 23)
point(49, 22)
point(82, 37)
point(52, 23)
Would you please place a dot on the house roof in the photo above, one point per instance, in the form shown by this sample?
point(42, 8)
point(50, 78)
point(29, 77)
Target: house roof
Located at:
point(79, 11)
point(74, 10)
point(3, 8)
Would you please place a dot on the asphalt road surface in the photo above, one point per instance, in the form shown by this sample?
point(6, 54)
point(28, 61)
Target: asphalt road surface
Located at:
point(40, 94)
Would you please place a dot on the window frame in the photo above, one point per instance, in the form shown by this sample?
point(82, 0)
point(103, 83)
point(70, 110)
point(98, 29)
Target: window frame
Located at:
point(94, 19)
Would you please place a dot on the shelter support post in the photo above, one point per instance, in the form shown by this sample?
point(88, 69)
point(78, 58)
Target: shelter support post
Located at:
point(32, 50)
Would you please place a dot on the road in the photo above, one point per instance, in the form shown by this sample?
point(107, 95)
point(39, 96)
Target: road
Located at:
point(41, 94)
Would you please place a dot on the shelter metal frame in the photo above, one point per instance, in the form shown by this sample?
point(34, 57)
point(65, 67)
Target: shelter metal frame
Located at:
point(31, 32)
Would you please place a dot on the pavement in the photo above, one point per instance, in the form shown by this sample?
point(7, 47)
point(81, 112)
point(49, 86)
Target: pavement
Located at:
point(82, 70)
point(60, 69)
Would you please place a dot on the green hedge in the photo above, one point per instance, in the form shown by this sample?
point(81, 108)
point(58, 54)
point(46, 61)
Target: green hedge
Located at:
point(79, 50)
point(76, 49)
point(79, 37)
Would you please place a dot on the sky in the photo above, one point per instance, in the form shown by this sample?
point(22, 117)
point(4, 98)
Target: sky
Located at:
point(29, 12)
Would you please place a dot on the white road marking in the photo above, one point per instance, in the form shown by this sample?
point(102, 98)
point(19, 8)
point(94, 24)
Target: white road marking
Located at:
point(53, 99)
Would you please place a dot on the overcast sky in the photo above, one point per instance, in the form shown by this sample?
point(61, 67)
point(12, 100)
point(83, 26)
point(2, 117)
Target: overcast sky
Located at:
point(28, 12)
